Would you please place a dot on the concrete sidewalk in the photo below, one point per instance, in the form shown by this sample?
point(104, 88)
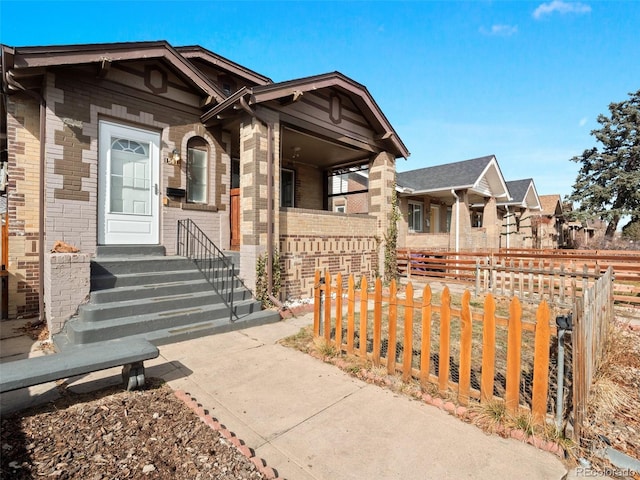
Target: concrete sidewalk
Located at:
point(309, 420)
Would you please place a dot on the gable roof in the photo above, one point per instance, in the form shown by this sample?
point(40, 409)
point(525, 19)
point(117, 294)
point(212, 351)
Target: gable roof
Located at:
point(523, 194)
point(551, 205)
point(477, 174)
point(201, 53)
point(294, 88)
point(25, 59)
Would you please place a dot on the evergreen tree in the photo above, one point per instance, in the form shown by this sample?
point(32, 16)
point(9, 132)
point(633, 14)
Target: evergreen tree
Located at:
point(608, 184)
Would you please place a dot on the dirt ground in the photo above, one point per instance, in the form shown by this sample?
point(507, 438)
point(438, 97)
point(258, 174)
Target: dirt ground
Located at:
point(114, 434)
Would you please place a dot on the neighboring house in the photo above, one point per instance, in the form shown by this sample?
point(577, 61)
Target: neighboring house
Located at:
point(517, 214)
point(549, 225)
point(349, 192)
point(452, 206)
point(112, 144)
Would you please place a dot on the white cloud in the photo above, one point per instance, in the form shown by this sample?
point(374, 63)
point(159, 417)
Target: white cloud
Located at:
point(583, 121)
point(561, 7)
point(500, 30)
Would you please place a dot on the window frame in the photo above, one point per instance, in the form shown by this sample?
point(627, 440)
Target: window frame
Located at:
point(199, 145)
point(292, 198)
point(411, 216)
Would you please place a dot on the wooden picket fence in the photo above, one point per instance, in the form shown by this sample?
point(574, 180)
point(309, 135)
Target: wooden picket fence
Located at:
point(466, 353)
point(533, 281)
point(593, 314)
point(557, 274)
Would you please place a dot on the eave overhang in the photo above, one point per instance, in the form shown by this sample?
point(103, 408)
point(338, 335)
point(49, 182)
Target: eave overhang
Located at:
point(195, 51)
point(29, 59)
point(295, 88)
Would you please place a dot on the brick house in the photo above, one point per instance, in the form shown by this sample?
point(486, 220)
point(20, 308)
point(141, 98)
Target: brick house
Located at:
point(112, 144)
point(452, 206)
point(550, 227)
point(518, 214)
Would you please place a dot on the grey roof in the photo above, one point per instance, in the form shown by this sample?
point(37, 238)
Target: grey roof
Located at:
point(518, 189)
point(457, 174)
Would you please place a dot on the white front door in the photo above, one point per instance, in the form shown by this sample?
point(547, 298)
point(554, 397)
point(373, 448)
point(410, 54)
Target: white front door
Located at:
point(128, 201)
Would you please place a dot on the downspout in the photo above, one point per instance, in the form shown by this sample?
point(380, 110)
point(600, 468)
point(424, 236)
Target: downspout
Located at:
point(43, 130)
point(453, 192)
point(250, 111)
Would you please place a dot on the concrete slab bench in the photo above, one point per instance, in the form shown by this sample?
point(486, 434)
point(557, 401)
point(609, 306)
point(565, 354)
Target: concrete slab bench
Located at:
point(80, 360)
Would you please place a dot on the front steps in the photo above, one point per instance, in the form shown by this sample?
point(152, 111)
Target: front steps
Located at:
point(137, 292)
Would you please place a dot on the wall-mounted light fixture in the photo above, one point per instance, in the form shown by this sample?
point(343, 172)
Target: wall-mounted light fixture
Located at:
point(296, 152)
point(174, 158)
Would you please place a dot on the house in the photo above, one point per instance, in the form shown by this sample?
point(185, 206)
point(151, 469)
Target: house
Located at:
point(518, 214)
point(113, 144)
point(452, 206)
point(549, 224)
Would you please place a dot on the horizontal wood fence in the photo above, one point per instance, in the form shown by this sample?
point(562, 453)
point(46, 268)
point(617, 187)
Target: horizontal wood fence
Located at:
point(465, 353)
point(529, 270)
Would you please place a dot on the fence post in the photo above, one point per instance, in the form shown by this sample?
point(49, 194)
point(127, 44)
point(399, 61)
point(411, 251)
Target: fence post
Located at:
point(466, 331)
point(393, 325)
point(514, 355)
point(350, 314)
point(488, 349)
point(541, 364)
point(327, 305)
point(364, 313)
point(317, 308)
point(425, 341)
point(408, 334)
point(339, 312)
point(445, 338)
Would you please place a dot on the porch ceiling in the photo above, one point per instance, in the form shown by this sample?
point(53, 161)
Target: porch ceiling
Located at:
point(309, 149)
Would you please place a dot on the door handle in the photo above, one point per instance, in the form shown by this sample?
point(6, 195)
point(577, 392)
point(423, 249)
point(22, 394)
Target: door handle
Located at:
point(155, 188)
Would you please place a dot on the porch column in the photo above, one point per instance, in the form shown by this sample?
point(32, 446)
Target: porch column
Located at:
point(382, 176)
point(490, 223)
point(461, 223)
point(253, 192)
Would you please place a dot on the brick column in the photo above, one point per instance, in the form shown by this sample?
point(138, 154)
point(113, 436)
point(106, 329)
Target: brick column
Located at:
point(464, 223)
point(382, 175)
point(253, 191)
point(490, 223)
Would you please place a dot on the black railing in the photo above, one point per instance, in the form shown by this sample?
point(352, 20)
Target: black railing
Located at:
point(217, 268)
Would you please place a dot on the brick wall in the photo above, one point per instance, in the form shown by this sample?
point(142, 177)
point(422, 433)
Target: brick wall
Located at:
point(75, 104)
point(23, 197)
point(312, 239)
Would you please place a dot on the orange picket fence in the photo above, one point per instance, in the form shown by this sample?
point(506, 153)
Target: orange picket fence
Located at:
point(466, 351)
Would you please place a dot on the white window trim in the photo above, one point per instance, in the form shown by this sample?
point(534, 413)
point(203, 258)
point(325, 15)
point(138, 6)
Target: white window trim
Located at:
point(206, 175)
point(421, 208)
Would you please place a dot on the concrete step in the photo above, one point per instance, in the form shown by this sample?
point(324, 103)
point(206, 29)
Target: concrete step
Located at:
point(146, 264)
point(130, 250)
point(106, 281)
point(78, 331)
point(180, 332)
point(92, 312)
point(158, 290)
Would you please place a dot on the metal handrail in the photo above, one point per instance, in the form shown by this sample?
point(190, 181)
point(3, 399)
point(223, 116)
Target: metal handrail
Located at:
point(217, 268)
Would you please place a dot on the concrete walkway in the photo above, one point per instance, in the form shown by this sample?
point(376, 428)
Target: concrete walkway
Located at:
point(309, 420)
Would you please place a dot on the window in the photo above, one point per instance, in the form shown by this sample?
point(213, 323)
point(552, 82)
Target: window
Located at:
point(287, 187)
point(476, 219)
point(415, 217)
point(197, 153)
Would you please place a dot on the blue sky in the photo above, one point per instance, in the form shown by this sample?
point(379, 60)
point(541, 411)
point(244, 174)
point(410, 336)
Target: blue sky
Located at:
point(522, 80)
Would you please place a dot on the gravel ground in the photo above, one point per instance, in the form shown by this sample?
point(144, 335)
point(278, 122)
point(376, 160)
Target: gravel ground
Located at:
point(114, 434)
